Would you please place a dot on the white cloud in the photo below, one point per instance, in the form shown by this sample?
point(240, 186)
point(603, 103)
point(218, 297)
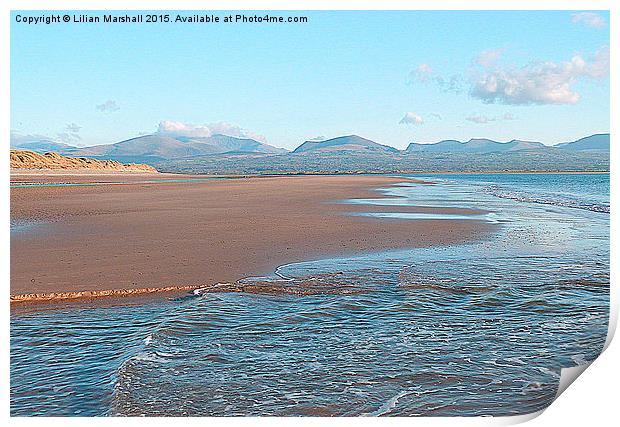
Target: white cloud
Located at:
point(318, 138)
point(70, 134)
point(489, 56)
point(541, 82)
point(482, 119)
point(68, 138)
point(424, 73)
point(589, 19)
point(108, 107)
point(73, 128)
point(450, 84)
point(411, 119)
point(176, 129)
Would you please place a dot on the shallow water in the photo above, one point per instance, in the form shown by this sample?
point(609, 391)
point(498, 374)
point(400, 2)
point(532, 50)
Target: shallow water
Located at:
point(427, 216)
point(475, 329)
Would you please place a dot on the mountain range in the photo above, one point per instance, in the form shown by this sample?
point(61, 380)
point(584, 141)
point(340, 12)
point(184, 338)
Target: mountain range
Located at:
point(153, 148)
point(480, 145)
point(348, 153)
point(477, 145)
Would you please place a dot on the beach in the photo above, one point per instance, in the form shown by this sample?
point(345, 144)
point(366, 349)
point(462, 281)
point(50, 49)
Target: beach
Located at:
point(335, 213)
point(174, 232)
point(438, 290)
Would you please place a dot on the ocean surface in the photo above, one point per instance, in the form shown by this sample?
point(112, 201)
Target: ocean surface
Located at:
point(476, 329)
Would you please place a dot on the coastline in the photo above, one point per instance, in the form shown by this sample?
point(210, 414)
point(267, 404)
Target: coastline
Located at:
point(443, 172)
point(515, 172)
point(140, 243)
point(521, 287)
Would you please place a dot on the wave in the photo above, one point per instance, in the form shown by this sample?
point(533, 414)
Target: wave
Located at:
point(546, 199)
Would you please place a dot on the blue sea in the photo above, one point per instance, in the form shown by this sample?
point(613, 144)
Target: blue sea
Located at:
point(482, 328)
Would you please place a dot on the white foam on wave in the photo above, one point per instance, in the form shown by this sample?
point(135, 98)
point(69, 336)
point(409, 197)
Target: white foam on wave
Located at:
point(148, 339)
point(388, 405)
point(579, 359)
point(548, 371)
point(545, 199)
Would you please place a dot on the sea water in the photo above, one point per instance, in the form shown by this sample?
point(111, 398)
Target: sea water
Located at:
point(481, 328)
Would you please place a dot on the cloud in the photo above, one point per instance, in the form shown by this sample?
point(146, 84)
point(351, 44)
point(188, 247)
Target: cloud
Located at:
point(411, 119)
point(108, 107)
point(73, 128)
point(68, 138)
point(540, 82)
point(176, 129)
point(318, 138)
point(453, 83)
point(424, 73)
point(489, 56)
point(482, 119)
point(70, 134)
point(589, 19)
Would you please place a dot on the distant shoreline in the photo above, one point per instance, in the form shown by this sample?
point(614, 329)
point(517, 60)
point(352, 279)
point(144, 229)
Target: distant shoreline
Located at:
point(30, 173)
point(566, 172)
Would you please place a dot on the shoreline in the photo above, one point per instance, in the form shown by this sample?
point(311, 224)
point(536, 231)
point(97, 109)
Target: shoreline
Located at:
point(117, 259)
point(107, 293)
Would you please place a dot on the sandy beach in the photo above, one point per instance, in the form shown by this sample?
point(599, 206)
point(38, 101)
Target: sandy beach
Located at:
point(149, 236)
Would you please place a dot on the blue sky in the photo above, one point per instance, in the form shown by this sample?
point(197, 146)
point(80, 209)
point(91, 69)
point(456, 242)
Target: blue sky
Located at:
point(393, 77)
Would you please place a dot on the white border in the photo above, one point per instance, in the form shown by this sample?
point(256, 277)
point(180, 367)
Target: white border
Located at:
point(591, 400)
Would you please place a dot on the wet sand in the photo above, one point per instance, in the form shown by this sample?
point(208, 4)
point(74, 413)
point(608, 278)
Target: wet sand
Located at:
point(168, 236)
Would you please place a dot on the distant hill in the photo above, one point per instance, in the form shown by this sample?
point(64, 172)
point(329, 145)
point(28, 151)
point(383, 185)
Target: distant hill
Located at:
point(230, 144)
point(23, 159)
point(41, 146)
point(599, 141)
point(344, 143)
point(479, 146)
point(154, 148)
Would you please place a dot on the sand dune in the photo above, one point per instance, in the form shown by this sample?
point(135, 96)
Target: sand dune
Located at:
point(24, 159)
